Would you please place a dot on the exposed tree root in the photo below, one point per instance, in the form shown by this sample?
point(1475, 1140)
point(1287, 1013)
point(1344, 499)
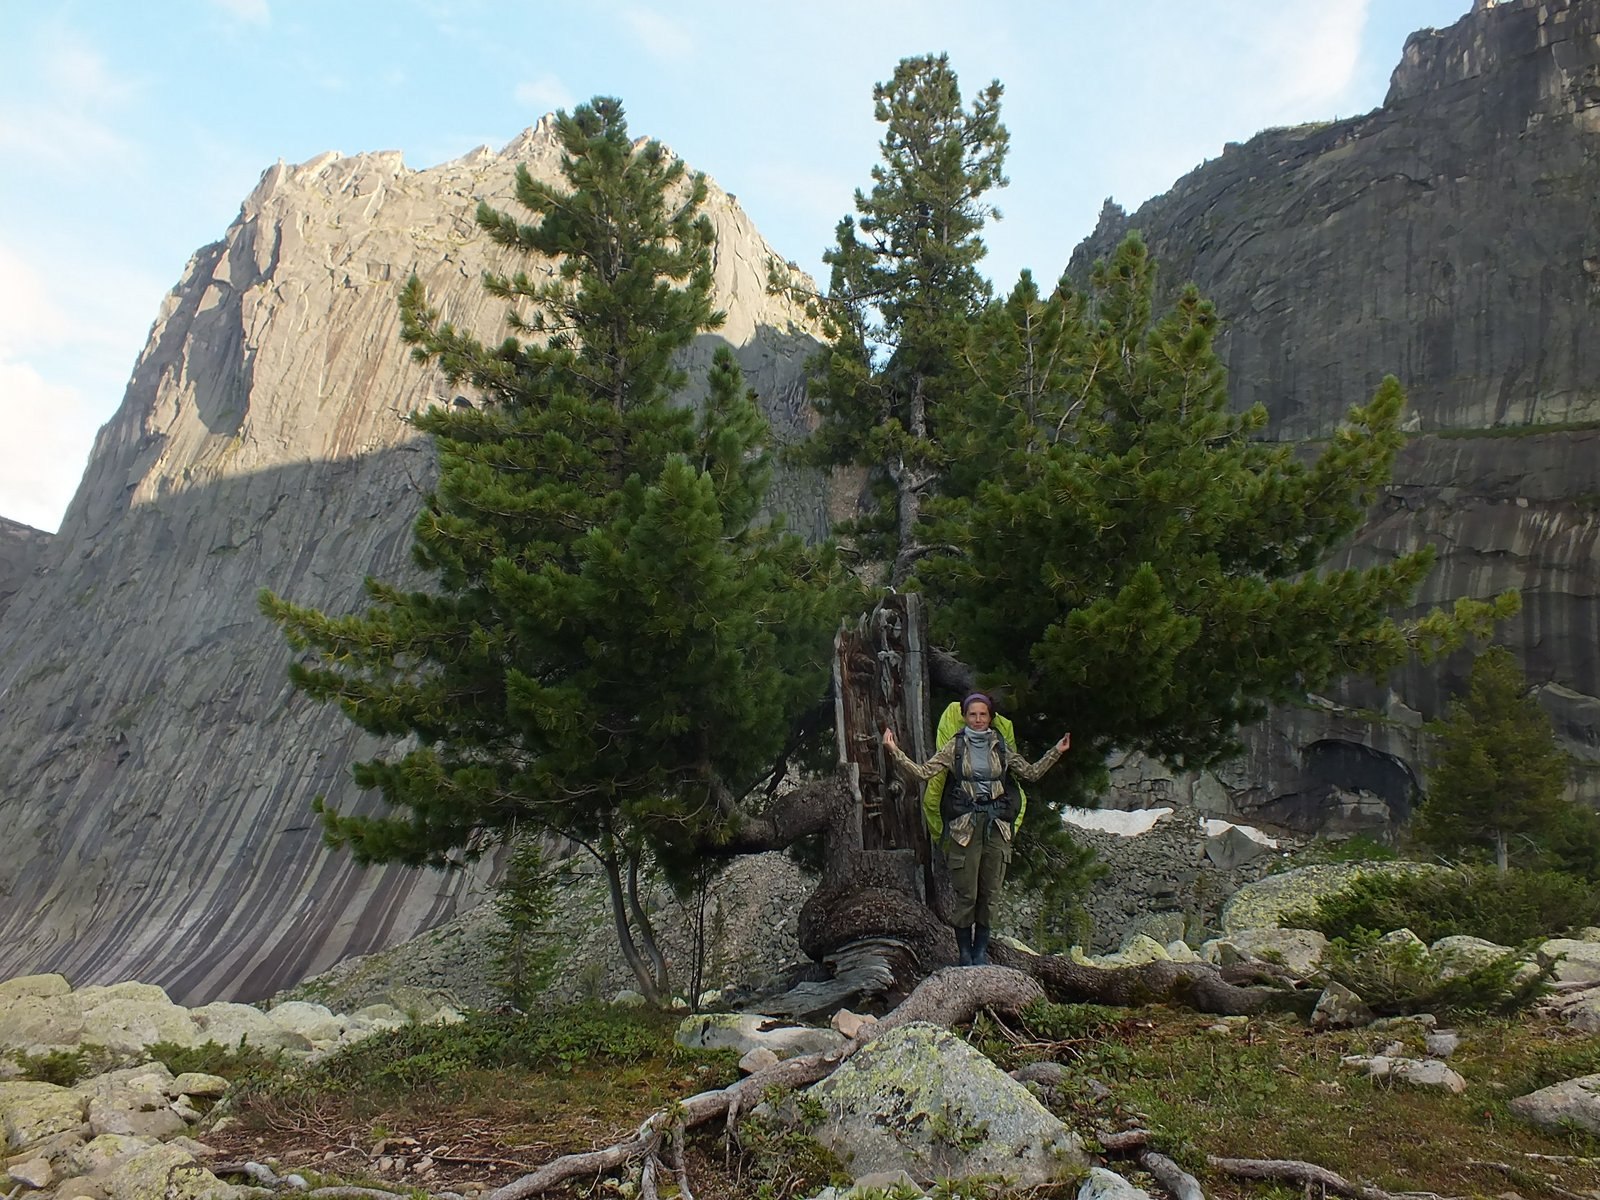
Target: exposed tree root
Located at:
point(1194, 985)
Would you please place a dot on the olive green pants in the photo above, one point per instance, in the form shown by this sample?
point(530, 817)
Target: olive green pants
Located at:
point(977, 872)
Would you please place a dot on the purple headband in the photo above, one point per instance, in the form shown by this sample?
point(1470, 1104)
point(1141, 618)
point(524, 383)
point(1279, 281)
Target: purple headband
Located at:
point(976, 696)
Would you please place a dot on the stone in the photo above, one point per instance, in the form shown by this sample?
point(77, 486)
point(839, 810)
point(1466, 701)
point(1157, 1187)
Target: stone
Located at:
point(1580, 962)
point(127, 1024)
point(1265, 903)
point(921, 1100)
point(1460, 954)
point(35, 1173)
point(848, 1024)
point(1300, 950)
point(1339, 1008)
point(758, 1058)
point(1416, 1072)
point(108, 1151)
point(195, 1083)
point(1137, 950)
point(40, 1021)
point(81, 1189)
point(232, 1025)
point(31, 1112)
point(1233, 848)
point(1182, 952)
point(40, 986)
point(1404, 937)
point(314, 1022)
point(1573, 1101)
point(1441, 1043)
point(628, 998)
point(748, 1031)
point(166, 1173)
point(1102, 1184)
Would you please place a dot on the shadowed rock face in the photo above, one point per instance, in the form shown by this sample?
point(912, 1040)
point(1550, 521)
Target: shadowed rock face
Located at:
point(1451, 238)
point(20, 548)
point(156, 770)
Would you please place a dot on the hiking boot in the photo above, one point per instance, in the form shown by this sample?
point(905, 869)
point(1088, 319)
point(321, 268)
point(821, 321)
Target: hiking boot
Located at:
point(964, 945)
point(980, 945)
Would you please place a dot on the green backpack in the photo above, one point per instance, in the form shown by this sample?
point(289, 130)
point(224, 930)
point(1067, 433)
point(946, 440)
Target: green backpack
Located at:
point(950, 722)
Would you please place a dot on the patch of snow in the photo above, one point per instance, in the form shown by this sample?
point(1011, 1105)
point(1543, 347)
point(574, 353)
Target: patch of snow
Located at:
point(1115, 820)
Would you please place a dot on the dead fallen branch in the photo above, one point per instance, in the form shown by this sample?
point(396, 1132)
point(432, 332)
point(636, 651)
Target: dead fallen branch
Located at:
point(1289, 1170)
point(1171, 1176)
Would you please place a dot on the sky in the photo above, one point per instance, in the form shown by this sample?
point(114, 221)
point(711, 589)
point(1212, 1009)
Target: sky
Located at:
point(130, 133)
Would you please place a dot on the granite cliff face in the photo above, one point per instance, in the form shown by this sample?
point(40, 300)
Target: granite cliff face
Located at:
point(1452, 238)
point(156, 770)
point(20, 547)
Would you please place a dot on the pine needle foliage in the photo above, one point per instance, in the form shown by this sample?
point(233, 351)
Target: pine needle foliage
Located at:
point(1498, 777)
point(1122, 548)
point(615, 645)
point(904, 283)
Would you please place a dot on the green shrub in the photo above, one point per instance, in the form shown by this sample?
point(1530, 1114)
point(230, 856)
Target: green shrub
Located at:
point(1508, 908)
point(418, 1056)
point(1400, 977)
point(232, 1063)
point(65, 1068)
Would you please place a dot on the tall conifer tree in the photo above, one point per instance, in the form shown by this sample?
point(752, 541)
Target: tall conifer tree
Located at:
point(1123, 549)
point(903, 286)
point(616, 646)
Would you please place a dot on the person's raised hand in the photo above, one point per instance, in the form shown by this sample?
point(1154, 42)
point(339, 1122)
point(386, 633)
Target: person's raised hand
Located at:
point(1065, 743)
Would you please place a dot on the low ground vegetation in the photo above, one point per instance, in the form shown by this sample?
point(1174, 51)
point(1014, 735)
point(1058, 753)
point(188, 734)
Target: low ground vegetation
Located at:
point(496, 1096)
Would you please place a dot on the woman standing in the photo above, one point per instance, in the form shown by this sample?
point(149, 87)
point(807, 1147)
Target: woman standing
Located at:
point(980, 814)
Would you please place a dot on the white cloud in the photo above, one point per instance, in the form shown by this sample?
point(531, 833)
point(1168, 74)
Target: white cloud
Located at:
point(1307, 56)
point(49, 432)
point(67, 120)
point(254, 12)
point(660, 36)
point(544, 94)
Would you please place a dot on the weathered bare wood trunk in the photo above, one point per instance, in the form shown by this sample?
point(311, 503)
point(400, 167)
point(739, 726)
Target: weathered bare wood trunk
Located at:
point(883, 881)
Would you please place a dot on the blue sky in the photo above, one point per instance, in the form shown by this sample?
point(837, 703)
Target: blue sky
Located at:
point(130, 133)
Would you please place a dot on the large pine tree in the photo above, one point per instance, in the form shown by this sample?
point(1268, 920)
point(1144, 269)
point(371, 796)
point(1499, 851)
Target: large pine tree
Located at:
point(904, 284)
point(616, 646)
point(1122, 550)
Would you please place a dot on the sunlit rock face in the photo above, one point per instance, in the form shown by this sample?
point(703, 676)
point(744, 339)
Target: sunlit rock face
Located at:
point(156, 771)
point(1450, 238)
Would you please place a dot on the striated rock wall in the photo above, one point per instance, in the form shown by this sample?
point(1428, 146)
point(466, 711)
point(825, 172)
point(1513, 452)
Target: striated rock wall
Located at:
point(1451, 238)
point(156, 771)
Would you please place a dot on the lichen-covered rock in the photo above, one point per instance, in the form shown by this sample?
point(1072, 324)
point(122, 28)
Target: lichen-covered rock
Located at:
point(1417, 1072)
point(1300, 950)
point(919, 1099)
point(128, 1024)
point(197, 1083)
point(31, 1112)
point(1573, 1101)
point(34, 1173)
point(33, 985)
point(749, 1031)
point(1339, 1008)
point(1580, 961)
point(166, 1173)
point(106, 1152)
point(230, 1024)
point(1108, 1185)
point(1460, 954)
point(1265, 903)
point(314, 1022)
